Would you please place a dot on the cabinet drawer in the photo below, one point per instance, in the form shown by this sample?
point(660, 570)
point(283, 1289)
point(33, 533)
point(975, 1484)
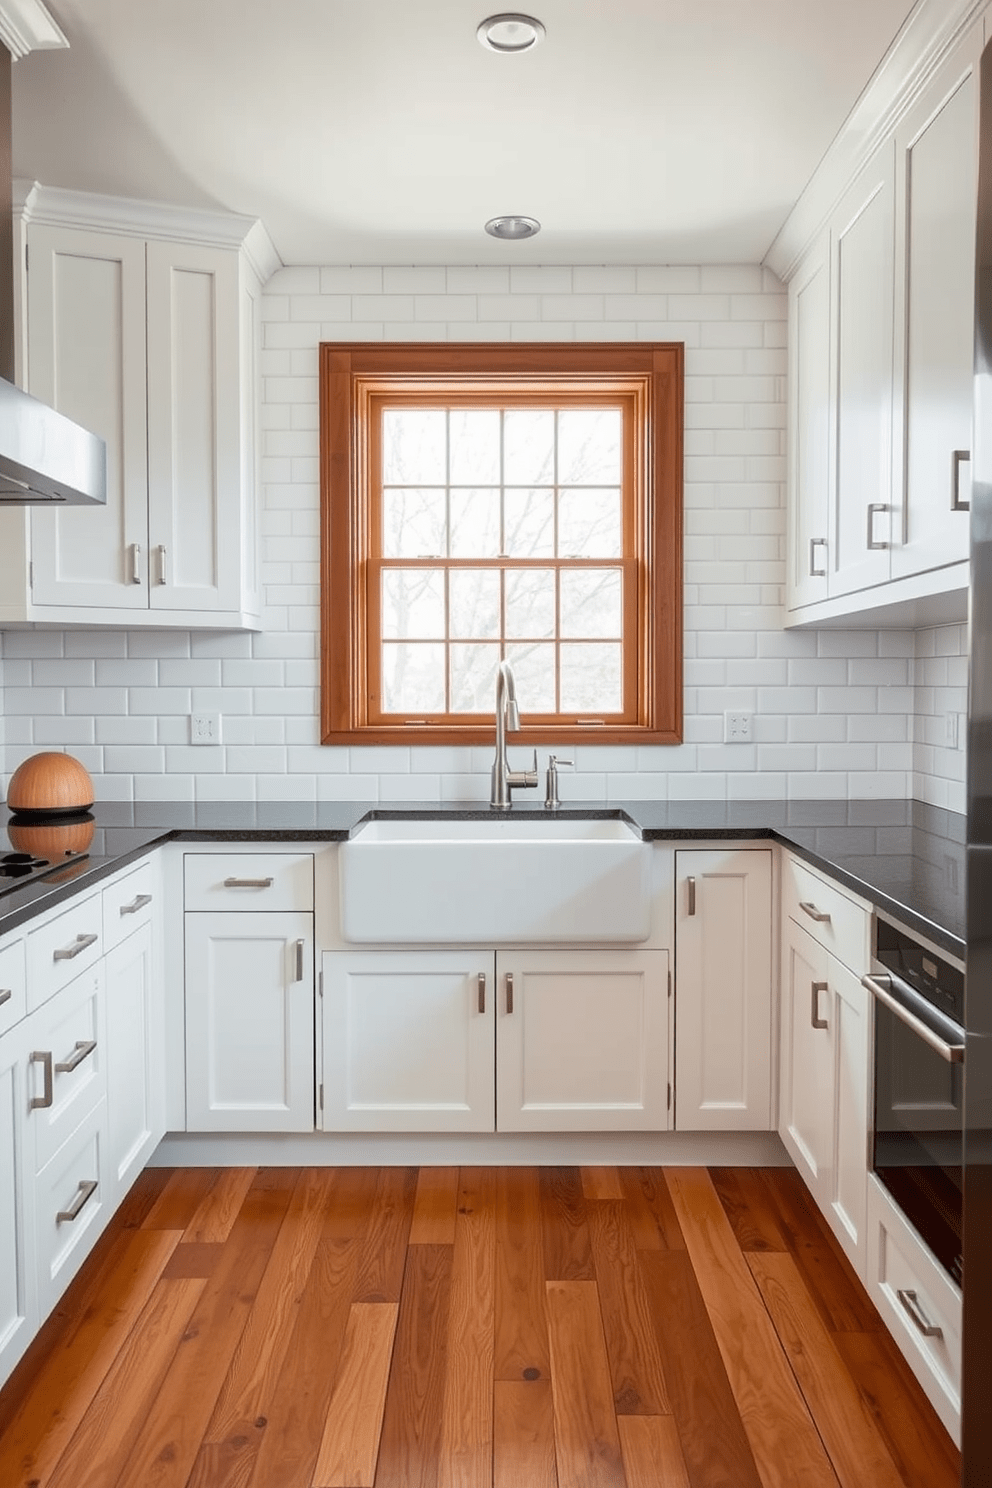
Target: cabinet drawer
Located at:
point(70, 1207)
point(252, 881)
point(835, 921)
point(66, 1064)
point(13, 984)
point(128, 903)
point(63, 948)
point(914, 1295)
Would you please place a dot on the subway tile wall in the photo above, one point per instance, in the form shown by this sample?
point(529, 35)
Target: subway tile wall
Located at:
point(833, 713)
point(940, 682)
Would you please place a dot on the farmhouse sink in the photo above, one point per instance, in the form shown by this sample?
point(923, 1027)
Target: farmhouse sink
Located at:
point(495, 880)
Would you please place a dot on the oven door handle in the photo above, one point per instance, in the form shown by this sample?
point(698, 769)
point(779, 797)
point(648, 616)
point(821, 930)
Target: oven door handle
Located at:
point(953, 1053)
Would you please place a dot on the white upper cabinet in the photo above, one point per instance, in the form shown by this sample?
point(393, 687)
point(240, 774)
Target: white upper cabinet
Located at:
point(151, 339)
point(809, 425)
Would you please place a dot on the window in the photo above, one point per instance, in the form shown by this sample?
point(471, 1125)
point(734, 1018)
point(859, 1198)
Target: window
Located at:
point(482, 502)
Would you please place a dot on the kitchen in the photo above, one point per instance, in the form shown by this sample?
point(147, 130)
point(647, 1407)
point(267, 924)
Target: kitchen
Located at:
point(853, 713)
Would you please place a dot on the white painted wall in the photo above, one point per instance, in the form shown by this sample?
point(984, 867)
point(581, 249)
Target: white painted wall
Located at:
point(940, 680)
point(834, 712)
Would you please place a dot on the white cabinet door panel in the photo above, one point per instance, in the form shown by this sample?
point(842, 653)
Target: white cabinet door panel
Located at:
point(582, 1041)
point(848, 1196)
point(18, 1311)
point(807, 1096)
point(135, 1075)
point(408, 1041)
point(809, 430)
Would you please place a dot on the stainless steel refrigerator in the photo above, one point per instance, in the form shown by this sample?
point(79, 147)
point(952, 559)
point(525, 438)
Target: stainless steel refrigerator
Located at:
point(977, 1285)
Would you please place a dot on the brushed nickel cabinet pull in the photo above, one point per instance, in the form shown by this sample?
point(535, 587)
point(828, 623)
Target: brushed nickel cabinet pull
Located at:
point(161, 564)
point(911, 1305)
point(482, 991)
point(84, 1048)
point(875, 506)
point(43, 1102)
point(692, 895)
point(509, 991)
point(814, 543)
point(5, 995)
point(299, 959)
point(84, 1192)
point(814, 1013)
point(70, 952)
point(958, 458)
point(248, 883)
point(815, 914)
point(136, 904)
point(135, 563)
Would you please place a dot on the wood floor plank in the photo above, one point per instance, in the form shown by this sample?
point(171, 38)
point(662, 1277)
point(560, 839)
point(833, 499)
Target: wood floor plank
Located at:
point(255, 1368)
point(169, 1440)
point(714, 1443)
point(631, 1342)
point(523, 1435)
point(141, 1198)
point(652, 1452)
point(587, 1442)
point(521, 1345)
point(411, 1429)
point(784, 1441)
point(219, 1208)
point(383, 1257)
point(434, 1207)
point(601, 1183)
point(101, 1445)
point(179, 1200)
point(466, 1459)
point(842, 1301)
point(909, 1425)
point(646, 1191)
point(349, 1447)
point(564, 1230)
point(283, 1449)
point(856, 1449)
point(350, 1203)
point(747, 1204)
point(64, 1387)
point(193, 1260)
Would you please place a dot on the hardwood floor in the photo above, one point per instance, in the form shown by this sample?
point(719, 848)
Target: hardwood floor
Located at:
point(468, 1328)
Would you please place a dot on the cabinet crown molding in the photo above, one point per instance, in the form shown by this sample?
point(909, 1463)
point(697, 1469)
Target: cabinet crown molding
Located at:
point(26, 26)
point(56, 206)
point(927, 37)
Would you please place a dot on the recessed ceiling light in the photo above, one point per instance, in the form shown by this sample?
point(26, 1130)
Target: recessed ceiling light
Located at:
point(512, 228)
point(510, 32)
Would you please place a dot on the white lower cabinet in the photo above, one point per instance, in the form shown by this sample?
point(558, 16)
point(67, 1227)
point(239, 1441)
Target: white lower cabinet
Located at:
point(723, 990)
point(824, 1088)
point(249, 1022)
point(19, 1316)
point(523, 1041)
point(135, 1071)
point(71, 1206)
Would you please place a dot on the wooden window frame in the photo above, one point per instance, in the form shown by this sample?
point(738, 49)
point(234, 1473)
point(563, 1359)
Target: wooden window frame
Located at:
point(354, 375)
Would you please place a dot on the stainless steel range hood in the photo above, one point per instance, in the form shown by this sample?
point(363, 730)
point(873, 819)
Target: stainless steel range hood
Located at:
point(45, 457)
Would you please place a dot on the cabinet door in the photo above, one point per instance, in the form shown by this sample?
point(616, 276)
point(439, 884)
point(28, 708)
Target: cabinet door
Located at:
point(937, 164)
point(194, 428)
point(17, 1292)
point(807, 1060)
point(723, 991)
point(408, 1041)
point(847, 1196)
point(135, 1085)
point(809, 425)
point(249, 1022)
point(582, 1040)
point(863, 258)
point(86, 348)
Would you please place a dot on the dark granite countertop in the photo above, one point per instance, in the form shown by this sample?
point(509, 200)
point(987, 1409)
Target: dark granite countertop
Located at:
point(904, 857)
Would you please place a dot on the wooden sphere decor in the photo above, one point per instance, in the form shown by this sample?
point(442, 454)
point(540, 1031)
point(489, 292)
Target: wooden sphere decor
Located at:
point(50, 783)
point(52, 839)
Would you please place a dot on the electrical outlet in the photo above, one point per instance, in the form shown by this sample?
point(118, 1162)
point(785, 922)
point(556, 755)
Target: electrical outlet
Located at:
point(951, 723)
point(204, 728)
point(738, 728)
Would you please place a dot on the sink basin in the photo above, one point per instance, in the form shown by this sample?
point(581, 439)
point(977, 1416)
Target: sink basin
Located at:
point(495, 881)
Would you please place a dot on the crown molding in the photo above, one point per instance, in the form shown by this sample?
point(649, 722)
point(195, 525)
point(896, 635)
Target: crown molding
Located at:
point(927, 37)
point(55, 206)
point(26, 26)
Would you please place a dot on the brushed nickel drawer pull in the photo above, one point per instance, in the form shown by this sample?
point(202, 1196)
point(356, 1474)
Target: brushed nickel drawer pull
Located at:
point(136, 904)
point(5, 995)
point(692, 895)
point(482, 991)
point(921, 1321)
point(248, 883)
point(84, 1048)
point(814, 1013)
point(814, 913)
point(45, 1101)
point(509, 991)
point(80, 944)
point(85, 1192)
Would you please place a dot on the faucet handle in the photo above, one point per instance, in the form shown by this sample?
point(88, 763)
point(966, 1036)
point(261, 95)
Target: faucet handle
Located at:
point(523, 777)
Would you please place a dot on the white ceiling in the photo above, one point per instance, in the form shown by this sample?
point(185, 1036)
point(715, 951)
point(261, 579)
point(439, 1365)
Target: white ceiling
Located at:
point(380, 131)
